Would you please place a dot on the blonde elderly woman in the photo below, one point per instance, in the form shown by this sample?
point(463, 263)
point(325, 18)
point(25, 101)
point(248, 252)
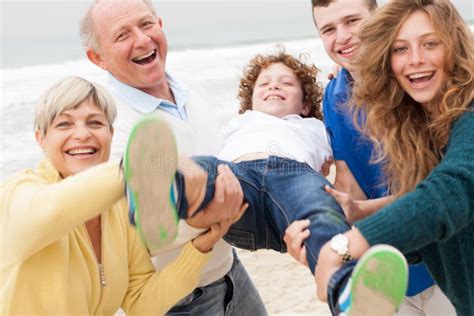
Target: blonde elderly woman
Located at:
point(66, 245)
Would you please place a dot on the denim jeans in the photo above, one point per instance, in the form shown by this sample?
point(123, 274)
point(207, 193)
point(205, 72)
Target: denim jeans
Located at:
point(336, 284)
point(232, 295)
point(279, 191)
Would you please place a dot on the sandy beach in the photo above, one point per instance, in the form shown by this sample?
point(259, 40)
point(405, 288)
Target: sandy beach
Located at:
point(286, 287)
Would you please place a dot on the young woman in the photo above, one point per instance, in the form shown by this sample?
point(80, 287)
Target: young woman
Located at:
point(416, 66)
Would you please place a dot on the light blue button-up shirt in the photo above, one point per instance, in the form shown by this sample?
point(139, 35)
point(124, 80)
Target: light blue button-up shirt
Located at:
point(146, 103)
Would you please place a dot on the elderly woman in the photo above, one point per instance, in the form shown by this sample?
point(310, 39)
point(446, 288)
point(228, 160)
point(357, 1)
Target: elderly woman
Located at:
point(66, 244)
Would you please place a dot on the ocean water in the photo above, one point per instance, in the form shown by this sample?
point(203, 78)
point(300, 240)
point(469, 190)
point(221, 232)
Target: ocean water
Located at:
point(217, 70)
point(210, 42)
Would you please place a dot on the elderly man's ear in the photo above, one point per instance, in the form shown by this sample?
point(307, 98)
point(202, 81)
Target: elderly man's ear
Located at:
point(96, 58)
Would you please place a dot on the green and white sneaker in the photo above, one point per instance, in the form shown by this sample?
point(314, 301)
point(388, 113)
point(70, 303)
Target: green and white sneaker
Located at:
point(150, 164)
point(378, 283)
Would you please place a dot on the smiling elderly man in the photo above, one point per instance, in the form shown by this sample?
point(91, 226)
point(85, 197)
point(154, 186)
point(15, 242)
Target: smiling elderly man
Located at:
point(126, 38)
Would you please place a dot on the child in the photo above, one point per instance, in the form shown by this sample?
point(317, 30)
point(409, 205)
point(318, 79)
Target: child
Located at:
point(277, 146)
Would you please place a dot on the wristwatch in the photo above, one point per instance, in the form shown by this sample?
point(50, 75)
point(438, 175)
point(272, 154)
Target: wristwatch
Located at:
point(340, 243)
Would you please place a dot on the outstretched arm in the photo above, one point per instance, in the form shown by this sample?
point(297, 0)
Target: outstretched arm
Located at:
point(358, 209)
point(345, 181)
point(35, 213)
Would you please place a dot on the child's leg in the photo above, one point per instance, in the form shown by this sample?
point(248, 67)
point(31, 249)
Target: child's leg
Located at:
point(297, 192)
point(189, 202)
point(252, 230)
point(159, 195)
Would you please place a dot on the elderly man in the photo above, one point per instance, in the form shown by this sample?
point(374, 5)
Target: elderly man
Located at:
point(125, 38)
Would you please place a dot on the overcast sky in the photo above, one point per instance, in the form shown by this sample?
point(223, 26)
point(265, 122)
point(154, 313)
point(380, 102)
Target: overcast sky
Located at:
point(50, 28)
point(37, 18)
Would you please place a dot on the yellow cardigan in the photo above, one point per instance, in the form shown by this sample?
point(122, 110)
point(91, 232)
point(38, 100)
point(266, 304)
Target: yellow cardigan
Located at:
point(48, 265)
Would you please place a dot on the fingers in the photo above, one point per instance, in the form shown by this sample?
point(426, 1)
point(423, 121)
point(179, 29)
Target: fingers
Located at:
point(326, 166)
point(233, 191)
point(325, 169)
point(338, 195)
point(341, 197)
point(219, 229)
point(243, 208)
point(302, 258)
point(219, 193)
point(295, 234)
point(296, 227)
point(334, 71)
point(330, 190)
point(226, 204)
point(206, 241)
point(195, 180)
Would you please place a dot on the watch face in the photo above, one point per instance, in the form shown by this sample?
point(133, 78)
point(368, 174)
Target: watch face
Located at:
point(339, 242)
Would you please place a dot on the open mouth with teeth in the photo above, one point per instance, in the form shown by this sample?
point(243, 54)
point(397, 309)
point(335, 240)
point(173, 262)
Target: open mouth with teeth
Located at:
point(81, 152)
point(347, 51)
point(146, 58)
point(420, 77)
point(274, 97)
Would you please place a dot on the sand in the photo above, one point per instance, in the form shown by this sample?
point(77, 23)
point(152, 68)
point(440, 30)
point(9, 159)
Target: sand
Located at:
point(286, 287)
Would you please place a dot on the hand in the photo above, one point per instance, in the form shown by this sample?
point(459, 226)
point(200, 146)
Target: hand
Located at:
point(334, 71)
point(350, 207)
point(226, 204)
point(195, 181)
point(294, 236)
point(326, 166)
point(206, 241)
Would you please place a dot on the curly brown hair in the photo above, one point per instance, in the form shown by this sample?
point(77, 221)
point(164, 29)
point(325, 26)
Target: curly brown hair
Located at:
point(407, 137)
point(312, 90)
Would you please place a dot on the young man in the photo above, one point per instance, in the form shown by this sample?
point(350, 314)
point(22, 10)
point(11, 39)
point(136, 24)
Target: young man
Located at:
point(338, 22)
point(125, 38)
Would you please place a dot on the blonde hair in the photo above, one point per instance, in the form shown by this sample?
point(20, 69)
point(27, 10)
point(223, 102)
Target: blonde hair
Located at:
point(408, 140)
point(307, 75)
point(87, 31)
point(68, 94)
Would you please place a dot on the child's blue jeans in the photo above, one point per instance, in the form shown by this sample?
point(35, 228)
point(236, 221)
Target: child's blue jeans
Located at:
point(279, 191)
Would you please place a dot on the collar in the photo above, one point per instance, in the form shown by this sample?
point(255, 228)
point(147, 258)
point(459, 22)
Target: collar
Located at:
point(343, 80)
point(47, 170)
point(146, 103)
point(286, 117)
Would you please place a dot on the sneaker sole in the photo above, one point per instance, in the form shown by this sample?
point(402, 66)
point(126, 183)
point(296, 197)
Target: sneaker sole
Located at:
point(150, 164)
point(379, 282)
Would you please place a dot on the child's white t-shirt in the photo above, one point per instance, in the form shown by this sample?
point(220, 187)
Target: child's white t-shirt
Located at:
point(294, 137)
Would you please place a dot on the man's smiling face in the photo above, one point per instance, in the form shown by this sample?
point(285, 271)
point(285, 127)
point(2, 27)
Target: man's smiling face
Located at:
point(338, 24)
point(132, 44)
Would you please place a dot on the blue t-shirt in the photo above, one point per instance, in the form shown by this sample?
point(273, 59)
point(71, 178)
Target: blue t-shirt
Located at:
point(347, 142)
point(350, 146)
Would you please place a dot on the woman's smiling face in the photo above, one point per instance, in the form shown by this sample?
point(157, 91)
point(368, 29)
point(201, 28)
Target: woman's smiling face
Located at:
point(418, 59)
point(77, 139)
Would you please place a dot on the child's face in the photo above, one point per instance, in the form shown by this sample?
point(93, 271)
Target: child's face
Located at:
point(278, 92)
